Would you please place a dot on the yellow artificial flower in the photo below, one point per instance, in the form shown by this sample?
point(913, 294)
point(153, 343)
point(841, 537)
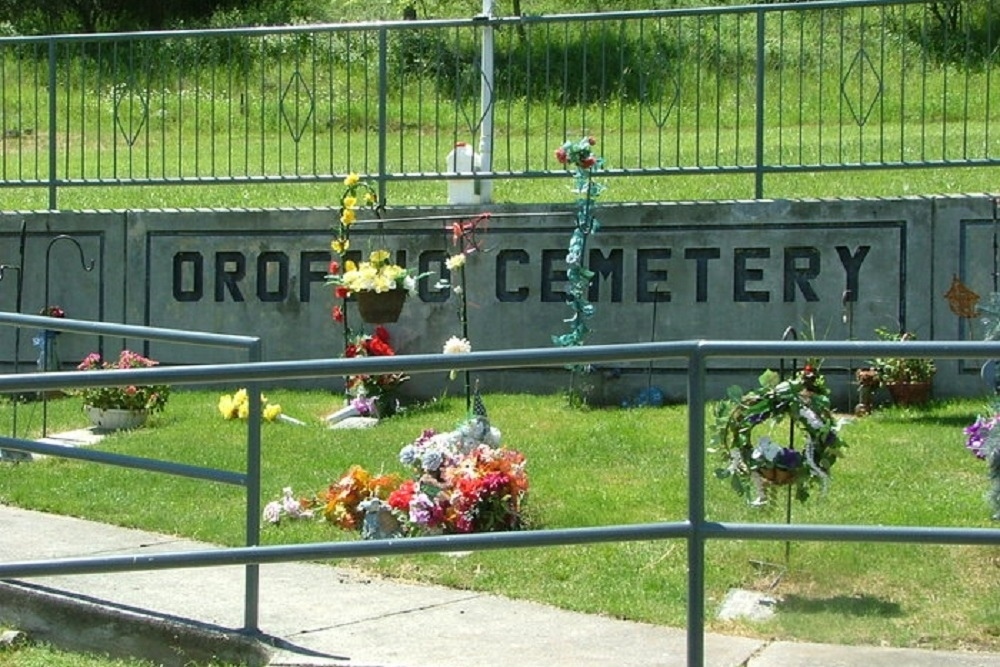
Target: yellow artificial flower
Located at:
point(347, 216)
point(349, 202)
point(226, 406)
point(379, 257)
point(350, 266)
point(383, 283)
point(370, 199)
point(352, 179)
point(243, 410)
point(271, 412)
point(340, 246)
point(240, 397)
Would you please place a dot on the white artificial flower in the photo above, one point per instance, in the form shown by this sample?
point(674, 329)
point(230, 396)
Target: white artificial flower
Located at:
point(767, 449)
point(456, 345)
point(410, 285)
point(811, 418)
point(455, 262)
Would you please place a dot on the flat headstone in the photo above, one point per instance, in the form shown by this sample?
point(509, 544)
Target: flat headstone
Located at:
point(749, 605)
point(355, 422)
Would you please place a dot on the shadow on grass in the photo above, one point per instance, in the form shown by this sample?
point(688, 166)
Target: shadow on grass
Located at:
point(845, 605)
point(923, 417)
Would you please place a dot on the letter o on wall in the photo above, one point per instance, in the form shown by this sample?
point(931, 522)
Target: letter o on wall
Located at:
point(279, 261)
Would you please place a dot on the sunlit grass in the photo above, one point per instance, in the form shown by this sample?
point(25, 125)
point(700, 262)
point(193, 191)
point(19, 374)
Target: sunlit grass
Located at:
point(592, 467)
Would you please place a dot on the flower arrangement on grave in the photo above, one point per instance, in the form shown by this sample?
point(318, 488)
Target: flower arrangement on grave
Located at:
point(151, 398)
point(237, 406)
point(982, 439)
point(342, 502)
point(373, 395)
point(462, 481)
point(783, 432)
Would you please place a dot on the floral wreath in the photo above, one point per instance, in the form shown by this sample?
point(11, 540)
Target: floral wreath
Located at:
point(785, 409)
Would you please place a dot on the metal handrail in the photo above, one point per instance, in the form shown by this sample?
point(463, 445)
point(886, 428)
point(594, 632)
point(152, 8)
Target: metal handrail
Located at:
point(695, 529)
point(250, 479)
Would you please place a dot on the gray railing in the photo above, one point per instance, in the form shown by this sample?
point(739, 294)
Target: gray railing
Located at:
point(747, 91)
point(249, 479)
point(696, 530)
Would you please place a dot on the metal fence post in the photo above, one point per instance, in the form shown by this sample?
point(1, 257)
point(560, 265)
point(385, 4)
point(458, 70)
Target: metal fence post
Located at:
point(758, 166)
point(383, 103)
point(53, 120)
point(486, 103)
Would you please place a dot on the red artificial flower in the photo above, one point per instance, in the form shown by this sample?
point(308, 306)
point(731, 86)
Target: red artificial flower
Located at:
point(341, 292)
point(561, 155)
point(400, 498)
point(351, 351)
point(338, 314)
point(376, 347)
point(382, 333)
point(334, 268)
point(588, 162)
point(591, 141)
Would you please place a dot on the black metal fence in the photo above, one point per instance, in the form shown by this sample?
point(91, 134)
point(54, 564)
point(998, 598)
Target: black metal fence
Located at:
point(749, 91)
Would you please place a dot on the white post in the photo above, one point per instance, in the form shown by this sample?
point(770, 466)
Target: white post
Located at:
point(486, 104)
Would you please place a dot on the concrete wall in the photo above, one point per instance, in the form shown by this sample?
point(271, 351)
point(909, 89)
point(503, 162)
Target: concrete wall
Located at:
point(722, 270)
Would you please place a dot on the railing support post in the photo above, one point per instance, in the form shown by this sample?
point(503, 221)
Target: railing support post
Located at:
point(696, 509)
point(251, 602)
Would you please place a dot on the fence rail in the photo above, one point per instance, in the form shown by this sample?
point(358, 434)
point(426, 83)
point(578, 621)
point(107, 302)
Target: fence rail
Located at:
point(749, 91)
point(696, 530)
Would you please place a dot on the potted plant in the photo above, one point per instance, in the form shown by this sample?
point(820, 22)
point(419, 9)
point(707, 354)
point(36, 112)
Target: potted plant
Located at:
point(126, 406)
point(908, 379)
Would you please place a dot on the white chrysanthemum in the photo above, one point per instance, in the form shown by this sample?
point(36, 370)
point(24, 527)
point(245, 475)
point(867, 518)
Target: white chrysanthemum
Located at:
point(455, 262)
point(456, 345)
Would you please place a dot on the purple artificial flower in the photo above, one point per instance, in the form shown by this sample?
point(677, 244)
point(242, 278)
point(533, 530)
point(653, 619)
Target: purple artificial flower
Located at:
point(978, 433)
point(789, 459)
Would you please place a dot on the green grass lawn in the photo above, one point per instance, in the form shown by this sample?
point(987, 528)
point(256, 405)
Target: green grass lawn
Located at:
point(590, 467)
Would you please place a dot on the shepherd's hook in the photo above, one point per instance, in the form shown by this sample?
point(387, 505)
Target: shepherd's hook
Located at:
point(48, 265)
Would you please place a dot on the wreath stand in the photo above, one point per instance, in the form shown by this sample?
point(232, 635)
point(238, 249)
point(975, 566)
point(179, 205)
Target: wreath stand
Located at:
point(781, 568)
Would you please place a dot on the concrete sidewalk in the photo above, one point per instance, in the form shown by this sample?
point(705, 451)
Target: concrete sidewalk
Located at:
point(319, 615)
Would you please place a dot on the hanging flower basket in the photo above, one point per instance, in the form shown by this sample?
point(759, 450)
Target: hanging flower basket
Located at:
point(381, 307)
point(779, 476)
point(797, 412)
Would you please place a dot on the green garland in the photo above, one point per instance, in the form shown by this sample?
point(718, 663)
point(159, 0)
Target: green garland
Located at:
point(798, 407)
point(580, 156)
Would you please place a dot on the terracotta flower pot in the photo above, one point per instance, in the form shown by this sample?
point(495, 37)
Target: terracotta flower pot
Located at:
point(910, 393)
